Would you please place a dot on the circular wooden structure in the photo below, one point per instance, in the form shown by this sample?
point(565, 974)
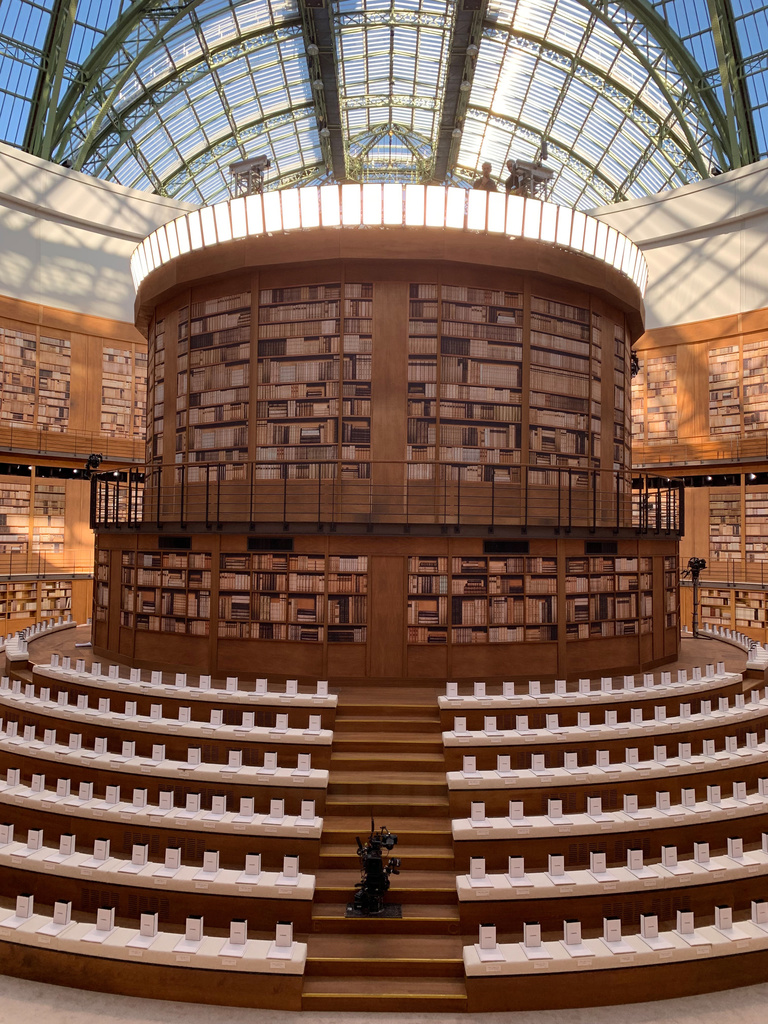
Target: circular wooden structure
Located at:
point(388, 449)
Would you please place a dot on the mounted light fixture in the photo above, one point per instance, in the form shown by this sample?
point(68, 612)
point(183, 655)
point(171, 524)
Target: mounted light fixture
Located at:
point(313, 49)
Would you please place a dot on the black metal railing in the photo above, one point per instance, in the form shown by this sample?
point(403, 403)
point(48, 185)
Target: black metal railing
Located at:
point(514, 496)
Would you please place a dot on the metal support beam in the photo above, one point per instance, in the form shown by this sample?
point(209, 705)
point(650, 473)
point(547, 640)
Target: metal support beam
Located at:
point(321, 60)
point(38, 136)
point(467, 28)
point(741, 128)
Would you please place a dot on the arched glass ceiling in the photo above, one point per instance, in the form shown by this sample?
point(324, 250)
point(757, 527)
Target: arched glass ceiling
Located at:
point(630, 97)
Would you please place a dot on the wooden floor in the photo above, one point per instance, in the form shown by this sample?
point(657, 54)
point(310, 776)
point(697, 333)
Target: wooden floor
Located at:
point(387, 762)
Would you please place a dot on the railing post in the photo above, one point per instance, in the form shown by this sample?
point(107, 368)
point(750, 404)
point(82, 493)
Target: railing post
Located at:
point(593, 527)
point(218, 495)
point(207, 495)
point(525, 499)
point(158, 472)
point(618, 501)
point(183, 493)
point(493, 498)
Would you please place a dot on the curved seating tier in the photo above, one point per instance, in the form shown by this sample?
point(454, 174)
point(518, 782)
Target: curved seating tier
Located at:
point(623, 968)
point(164, 965)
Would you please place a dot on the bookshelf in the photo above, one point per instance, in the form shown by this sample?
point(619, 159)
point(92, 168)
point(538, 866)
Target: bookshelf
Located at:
point(622, 399)
point(21, 602)
point(116, 391)
point(213, 364)
point(54, 382)
point(464, 402)
point(14, 517)
point(671, 592)
point(101, 585)
point(608, 597)
point(564, 362)
point(485, 599)
point(724, 390)
point(638, 390)
point(755, 383)
point(357, 360)
point(661, 393)
point(724, 523)
point(347, 598)
point(751, 609)
point(166, 592)
point(48, 523)
point(299, 368)
point(293, 597)
point(427, 613)
point(755, 537)
point(314, 381)
point(139, 393)
point(715, 607)
point(480, 381)
point(55, 598)
point(19, 376)
point(155, 391)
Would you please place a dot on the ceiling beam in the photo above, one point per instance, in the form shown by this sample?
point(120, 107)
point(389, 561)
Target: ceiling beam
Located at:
point(741, 128)
point(38, 137)
point(324, 81)
point(467, 28)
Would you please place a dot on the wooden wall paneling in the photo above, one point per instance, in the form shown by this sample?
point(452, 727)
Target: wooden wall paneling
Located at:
point(389, 389)
point(692, 390)
point(387, 619)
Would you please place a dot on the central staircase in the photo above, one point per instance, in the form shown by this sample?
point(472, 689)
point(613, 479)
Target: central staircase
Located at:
point(387, 762)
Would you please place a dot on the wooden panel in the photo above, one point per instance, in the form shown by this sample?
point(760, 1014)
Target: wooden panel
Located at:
point(386, 630)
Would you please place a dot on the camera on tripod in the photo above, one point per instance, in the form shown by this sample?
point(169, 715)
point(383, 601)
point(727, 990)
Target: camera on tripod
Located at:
point(374, 878)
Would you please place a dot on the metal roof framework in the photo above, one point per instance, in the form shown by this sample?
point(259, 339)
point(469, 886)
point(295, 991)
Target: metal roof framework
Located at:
point(630, 98)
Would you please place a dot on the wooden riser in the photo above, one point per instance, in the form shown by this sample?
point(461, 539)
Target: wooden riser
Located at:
point(383, 807)
point(378, 746)
point(386, 967)
point(404, 763)
point(440, 996)
point(416, 920)
point(344, 857)
point(375, 727)
point(431, 832)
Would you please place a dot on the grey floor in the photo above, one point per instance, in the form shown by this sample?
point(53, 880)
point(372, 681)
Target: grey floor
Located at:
point(30, 1002)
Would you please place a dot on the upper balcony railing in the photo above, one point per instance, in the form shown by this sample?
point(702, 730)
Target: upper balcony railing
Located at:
point(517, 497)
point(390, 205)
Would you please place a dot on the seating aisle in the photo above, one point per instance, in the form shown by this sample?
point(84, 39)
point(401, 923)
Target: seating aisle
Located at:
point(387, 762)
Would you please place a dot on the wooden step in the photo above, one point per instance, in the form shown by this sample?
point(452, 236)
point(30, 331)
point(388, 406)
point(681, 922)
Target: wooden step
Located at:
point(421, 858)
point(381, 724)
point(436, 831)
point(385, 805)
point(412, 886)
point(393, 768)
point(417, 919)
point(380, 744)
point(415, 995)
point(377, 956)
point(348, 775)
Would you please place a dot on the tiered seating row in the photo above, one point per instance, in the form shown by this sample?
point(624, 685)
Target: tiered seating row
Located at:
point(698, 959)
point(147, 961)
point(15, 646)
point(184, 687)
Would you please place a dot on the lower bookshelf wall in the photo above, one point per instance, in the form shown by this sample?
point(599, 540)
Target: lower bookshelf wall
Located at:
point(382, 607)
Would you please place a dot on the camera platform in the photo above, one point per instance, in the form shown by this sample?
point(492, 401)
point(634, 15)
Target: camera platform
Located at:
point(390, 912)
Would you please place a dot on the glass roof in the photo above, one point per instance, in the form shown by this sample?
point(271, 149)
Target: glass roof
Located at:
point(629, 98)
